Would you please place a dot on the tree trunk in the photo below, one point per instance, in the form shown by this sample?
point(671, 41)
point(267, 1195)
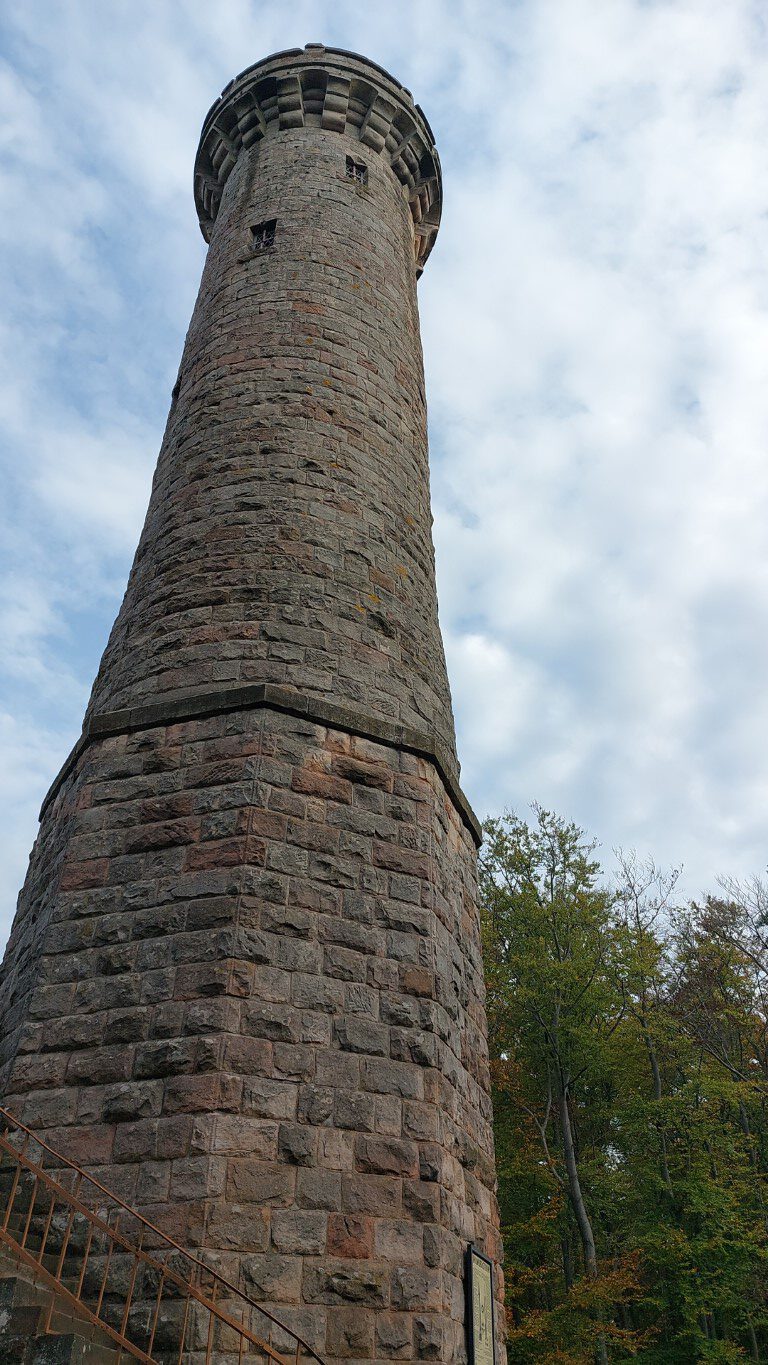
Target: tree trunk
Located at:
point(657, 1093)
point(574, 1190)
point(579, 1207)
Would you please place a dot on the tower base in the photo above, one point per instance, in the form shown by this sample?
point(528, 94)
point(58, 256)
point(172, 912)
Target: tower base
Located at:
point(245, 989)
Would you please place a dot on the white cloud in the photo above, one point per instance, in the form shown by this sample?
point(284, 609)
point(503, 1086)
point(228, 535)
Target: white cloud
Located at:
point(595, 322)
point(31, 756)
point(602, 280)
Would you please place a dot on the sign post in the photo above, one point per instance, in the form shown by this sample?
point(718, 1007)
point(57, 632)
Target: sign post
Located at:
point(481, 1323)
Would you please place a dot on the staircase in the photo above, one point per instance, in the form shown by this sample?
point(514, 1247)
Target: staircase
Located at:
point(35, 1331)
point(84, 1278)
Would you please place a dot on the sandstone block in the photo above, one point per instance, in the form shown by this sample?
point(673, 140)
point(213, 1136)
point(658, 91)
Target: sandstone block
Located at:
point(386, 1155)
point(350, 1236)
point(297, 1145)
point(272, 1278)
point(429, 1338)
point(379, 1195)
point(346, 1282)
point(394, 1333)
point(260, 1182)
point(399, 1241)
point(391, 1078)
point(351, 1334)
point(318, 1189)
point(297, 1231)
point(415, 1288)
point(363, 1035)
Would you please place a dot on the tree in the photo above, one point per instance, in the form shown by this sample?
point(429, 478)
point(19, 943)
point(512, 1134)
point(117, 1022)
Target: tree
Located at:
point(553, 1004)
point(645, 894)
point(628, 1053)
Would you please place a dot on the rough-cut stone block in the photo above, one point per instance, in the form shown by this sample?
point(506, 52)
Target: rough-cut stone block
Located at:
point(385, 1155)
point(260, 1182)
point(299, 1232)
point(350, 1236)
point(351, 1334)
point(346, 1282)
point(297, 1145)
point(272, 1278)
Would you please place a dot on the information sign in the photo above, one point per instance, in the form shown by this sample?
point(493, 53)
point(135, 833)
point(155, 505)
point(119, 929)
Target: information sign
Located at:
point(480, 1309)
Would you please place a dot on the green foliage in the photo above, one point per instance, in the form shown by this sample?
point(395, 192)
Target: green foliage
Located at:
point(629, 1053)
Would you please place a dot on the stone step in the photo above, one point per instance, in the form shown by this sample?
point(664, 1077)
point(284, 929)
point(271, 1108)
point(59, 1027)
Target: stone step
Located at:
point(24, 1306)
point(69, 1273)
point(17, 1287)
point(57, 1348)
point(14, 1349)
point(20, 1321)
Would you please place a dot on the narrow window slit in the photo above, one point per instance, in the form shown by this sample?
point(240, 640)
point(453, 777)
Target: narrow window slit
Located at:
point(357, 171)
point(263, 234)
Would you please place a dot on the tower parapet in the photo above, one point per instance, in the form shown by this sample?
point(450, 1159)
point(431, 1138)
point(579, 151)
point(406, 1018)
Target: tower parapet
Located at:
point(342, 92)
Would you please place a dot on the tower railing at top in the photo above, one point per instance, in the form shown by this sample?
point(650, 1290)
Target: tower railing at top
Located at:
point(107, 1265)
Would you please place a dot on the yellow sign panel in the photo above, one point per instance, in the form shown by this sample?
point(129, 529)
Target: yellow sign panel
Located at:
point(480, 1272)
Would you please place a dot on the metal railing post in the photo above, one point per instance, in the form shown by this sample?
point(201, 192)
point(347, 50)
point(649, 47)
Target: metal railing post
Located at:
point(211, 1320)
point(158, 1300)
point(63, 1185)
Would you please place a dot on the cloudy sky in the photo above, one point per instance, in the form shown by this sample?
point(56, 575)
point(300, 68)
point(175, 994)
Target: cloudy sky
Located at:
point(595, 322)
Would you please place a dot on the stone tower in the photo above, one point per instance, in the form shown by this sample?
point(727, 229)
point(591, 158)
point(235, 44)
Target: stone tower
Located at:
point(244, 981)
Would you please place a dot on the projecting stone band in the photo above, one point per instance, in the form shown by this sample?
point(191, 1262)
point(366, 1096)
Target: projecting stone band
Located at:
point(340, 92)
point(173, 709)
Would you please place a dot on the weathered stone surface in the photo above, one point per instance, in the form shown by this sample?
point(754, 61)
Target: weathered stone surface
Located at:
point(351, 1334)
point(349, 1235)
point(244, 983)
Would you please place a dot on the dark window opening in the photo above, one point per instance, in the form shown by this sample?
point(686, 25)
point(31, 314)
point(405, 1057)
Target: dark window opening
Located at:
point(263, 234)
point(357, 171)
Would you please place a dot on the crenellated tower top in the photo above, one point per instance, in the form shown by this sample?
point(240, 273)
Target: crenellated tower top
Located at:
point(329, 88)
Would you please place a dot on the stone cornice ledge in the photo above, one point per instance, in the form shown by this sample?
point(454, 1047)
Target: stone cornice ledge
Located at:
point(173, 709)
point(329, 88)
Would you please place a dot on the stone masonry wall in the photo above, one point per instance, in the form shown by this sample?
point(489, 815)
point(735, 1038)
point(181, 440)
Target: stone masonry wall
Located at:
point(258, 1015)
point(244, 982)
point(288, 537)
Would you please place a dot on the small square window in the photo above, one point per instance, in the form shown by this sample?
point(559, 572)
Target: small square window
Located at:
point(357, 171)
point(263, 234)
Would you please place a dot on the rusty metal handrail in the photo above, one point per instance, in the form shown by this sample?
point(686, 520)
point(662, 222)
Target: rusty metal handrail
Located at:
point(72, 1202)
